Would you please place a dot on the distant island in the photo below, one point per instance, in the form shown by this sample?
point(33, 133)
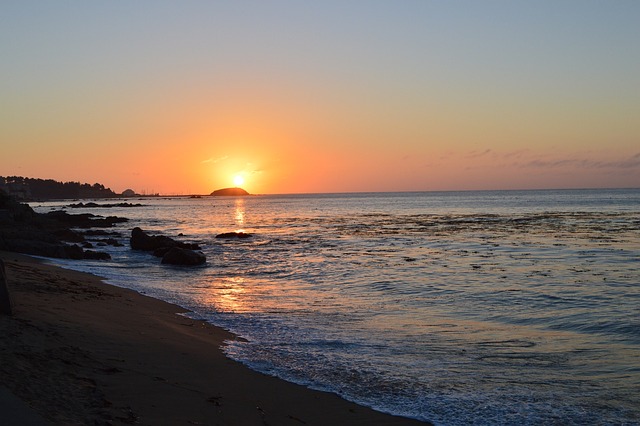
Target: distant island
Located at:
point(234, 192)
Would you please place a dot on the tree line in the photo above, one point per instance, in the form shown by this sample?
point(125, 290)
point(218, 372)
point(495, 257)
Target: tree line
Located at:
point(47, 189)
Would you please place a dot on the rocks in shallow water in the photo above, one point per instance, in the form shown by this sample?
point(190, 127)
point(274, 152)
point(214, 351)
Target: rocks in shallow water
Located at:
point(96, 255)
point(96, 205)
point(86, 220)
point(228, 235)
point(77, 253)
point(171, 251)
point(140, 240)
point(182, 256)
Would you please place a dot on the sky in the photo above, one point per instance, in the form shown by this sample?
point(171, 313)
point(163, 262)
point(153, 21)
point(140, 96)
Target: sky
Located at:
point(297, 96)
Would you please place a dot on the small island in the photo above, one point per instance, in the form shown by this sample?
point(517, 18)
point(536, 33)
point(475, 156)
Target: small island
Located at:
point(234, 192)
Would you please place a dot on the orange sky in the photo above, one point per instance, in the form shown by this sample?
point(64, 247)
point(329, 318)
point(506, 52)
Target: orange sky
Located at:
point(180, 98)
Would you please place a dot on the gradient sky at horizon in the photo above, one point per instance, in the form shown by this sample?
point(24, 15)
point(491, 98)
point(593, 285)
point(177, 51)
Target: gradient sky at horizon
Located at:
point(331, 96)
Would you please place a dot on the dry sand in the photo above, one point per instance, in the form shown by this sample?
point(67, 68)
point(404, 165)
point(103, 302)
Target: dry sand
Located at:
point(79, 351)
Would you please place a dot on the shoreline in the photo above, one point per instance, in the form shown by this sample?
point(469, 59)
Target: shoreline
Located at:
point(80, 351)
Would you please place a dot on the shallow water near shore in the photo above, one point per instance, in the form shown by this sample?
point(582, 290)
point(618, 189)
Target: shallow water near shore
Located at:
point(457, 308)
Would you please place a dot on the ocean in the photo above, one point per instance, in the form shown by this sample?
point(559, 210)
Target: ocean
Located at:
point(459, 308)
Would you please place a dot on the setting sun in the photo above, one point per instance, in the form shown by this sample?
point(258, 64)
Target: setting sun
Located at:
point(238, 180)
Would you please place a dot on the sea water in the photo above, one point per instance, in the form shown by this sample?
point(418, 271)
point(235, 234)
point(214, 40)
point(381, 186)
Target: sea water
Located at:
point(509, 307)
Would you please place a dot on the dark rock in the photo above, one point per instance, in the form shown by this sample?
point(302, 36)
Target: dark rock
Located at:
point(24, 231)
point(36, 248)
point(112, 242)
point(86, 220)
point(94, 232)
point(185, 257)
point(5, 300)
point(74, 252)
point(96, 255)
point(140, 240)
point(66, 234)
point(96, 205)
point(160, 252)
point(228, 235)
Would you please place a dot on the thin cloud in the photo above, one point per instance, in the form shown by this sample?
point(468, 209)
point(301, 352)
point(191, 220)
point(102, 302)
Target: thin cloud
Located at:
point(585, 163)
point(215, 160)
point(476, 154)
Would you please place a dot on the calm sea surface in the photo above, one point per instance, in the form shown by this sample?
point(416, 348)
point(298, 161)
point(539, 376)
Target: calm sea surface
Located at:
point(458, 308)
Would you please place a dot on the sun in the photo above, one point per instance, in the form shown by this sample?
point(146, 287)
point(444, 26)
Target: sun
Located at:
point(238, 180)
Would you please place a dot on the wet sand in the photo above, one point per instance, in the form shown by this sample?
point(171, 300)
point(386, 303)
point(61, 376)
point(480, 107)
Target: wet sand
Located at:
point(79, 351)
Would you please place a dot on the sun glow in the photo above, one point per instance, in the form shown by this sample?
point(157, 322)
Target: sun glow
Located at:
point(238, 180)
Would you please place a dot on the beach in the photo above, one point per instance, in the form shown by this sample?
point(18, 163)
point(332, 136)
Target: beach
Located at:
point(79, 351)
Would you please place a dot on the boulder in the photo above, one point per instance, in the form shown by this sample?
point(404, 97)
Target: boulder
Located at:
point(140, 240)
point(96, 255)
point(182, 256)
point(238, 234)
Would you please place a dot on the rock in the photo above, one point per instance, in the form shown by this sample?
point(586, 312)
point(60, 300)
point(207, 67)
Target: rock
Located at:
point(94, 232)
point(86, 220)
point(111, 242)
point(66, 234)
point(238, 234)
point(5, 300)
point(95, 255)
point(25, 231)
point(36, 248)
point(182, 256)
point(140, 240)
point(160, 252)
point(96, 205)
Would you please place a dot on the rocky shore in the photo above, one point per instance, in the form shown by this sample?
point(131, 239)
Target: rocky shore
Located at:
point(56, 234)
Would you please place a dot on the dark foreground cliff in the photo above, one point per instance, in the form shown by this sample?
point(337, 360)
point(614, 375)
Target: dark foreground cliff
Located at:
point(55, 234)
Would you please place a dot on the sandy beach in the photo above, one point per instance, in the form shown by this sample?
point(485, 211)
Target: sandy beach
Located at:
point(79, 351)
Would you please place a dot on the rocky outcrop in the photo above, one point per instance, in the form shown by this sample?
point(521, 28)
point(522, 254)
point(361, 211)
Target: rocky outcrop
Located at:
point(86, 220)
point(140, 240)
point(93, 205)
point(24, 231)
point(230, 235)
point(171, 251)
point(233, 192)
point(183, 257)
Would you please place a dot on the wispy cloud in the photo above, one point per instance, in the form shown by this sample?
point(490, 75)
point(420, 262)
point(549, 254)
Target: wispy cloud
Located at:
point(585, 163)
point(215, 160)
point(478, 154)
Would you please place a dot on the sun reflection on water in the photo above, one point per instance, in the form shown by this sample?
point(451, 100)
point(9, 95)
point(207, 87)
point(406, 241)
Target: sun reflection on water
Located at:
point(229, 296)
point(239, 212)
